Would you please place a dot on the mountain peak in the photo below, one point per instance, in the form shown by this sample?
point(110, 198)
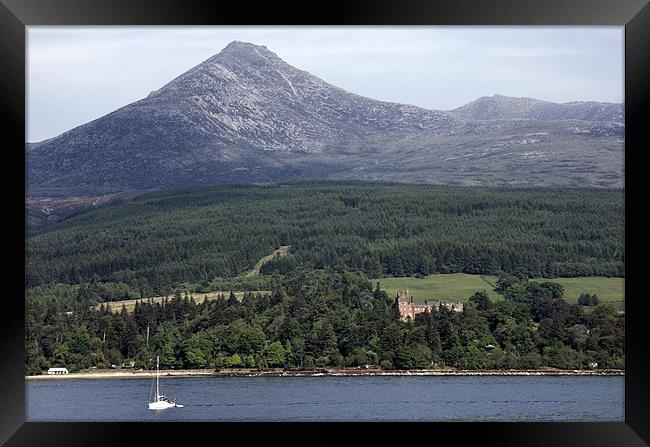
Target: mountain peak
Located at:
point(505, 98)
point(248, 50)
point(237, 60)
point(241, 44)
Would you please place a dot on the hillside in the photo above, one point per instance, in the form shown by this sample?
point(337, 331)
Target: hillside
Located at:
point(378, 228)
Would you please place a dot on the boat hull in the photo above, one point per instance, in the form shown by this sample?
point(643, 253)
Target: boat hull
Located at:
point(160, 405)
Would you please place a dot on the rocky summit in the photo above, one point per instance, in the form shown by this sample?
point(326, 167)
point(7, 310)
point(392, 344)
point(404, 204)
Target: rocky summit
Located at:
point(246, 116)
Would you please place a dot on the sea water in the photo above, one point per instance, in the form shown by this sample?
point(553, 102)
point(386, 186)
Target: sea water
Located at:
point(374, 398)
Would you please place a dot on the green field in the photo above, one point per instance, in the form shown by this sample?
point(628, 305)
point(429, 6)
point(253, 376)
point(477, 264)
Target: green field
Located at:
point(609, 290)
point(460, 286)
point(116, 306)
point(453, 287)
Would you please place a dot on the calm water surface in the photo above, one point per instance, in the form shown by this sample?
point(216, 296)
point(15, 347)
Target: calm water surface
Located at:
point(475, 398)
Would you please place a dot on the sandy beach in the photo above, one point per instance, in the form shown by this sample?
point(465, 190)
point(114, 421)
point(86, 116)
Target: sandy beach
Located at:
point(126, 373)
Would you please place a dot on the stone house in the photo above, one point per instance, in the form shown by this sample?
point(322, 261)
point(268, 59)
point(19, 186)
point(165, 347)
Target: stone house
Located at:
point(408, 309)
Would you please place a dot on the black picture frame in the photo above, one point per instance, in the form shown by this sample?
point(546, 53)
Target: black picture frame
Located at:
point(15, 15)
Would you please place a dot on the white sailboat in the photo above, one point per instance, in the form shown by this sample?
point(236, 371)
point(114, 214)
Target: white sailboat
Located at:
point(161, 402)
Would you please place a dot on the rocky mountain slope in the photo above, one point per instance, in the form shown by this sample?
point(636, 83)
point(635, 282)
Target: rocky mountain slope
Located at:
point(246, 116)
point(499, 107)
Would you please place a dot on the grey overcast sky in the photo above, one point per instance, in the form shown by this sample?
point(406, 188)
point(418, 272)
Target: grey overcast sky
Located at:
point(77, 74)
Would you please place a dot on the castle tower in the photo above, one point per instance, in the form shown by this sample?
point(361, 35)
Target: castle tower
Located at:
point(404, 305)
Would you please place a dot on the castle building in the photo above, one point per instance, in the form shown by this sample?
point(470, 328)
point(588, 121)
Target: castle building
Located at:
point(408, 309)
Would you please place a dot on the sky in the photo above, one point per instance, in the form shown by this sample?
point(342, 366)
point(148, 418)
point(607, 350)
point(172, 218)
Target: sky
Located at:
point(77, 74)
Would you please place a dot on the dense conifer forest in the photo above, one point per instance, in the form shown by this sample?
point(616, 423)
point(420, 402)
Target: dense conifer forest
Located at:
point(198, 235)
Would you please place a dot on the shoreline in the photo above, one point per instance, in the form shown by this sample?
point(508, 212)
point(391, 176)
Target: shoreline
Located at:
point(121, 374)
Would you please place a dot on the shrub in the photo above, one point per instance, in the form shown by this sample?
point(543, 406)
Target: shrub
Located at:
point(386, 364)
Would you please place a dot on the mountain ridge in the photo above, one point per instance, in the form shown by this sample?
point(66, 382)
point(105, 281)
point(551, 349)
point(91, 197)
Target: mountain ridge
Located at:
point(509, 107)
point(246, 116)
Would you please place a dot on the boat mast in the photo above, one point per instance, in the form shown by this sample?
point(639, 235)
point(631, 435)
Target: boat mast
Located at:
point(157, 374)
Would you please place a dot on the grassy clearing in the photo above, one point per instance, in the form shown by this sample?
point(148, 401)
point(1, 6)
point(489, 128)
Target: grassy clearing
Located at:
point(460, 286)
point(609, 290)
point(116, 306)
point(280, 252)
point(454, 286)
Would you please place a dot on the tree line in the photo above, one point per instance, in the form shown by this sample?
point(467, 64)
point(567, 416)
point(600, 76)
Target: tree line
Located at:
point(323, 318)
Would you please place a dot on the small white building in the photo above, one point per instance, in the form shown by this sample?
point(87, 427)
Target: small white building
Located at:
point(57, 371)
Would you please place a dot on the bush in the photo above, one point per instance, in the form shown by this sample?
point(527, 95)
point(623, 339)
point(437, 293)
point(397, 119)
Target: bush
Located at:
point(506, 281)
point(308, 362)
point(203, 287)
point(357, 357)
point(234, 361)
point(322, 361)
point(606, 311)
point(586, 299)
point(532, 360)
point(133, 295)
point(386, 364)
point(561, 356)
